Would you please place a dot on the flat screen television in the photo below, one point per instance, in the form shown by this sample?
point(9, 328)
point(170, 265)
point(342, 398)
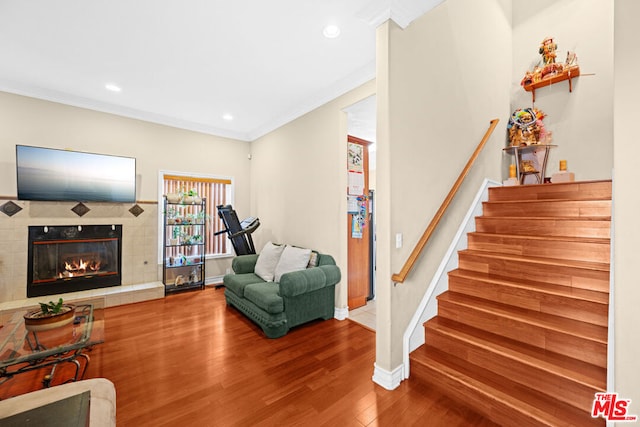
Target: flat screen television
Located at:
point(49, 174)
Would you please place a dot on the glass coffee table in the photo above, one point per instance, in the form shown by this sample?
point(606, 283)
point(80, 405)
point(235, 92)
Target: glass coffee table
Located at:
point(23, 350)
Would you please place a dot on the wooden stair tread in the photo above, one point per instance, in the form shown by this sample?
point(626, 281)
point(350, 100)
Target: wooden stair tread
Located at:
point(595, 249)
point(500, 392)
point(553, 363)
point(591, 208)
point(578, 190)
point(595, 333)
point(545, 226)
point(597, 240)
point(547, 288)
point(586, 265)
point(564, 199)
point(506, 218)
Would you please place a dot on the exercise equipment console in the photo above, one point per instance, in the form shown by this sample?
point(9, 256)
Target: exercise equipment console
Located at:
point(239, 232)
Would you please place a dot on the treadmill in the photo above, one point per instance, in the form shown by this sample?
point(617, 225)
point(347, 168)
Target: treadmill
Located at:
point(239, 232)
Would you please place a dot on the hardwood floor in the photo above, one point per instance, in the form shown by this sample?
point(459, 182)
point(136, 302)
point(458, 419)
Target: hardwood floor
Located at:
point(191, 360)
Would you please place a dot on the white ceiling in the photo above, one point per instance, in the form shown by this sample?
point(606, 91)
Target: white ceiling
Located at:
point(187, 63)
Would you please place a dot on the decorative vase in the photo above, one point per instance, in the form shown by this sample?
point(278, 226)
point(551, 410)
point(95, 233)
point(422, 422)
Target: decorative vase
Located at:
point(36, 320)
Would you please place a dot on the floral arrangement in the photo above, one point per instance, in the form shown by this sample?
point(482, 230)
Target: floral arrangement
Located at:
point(525, 127)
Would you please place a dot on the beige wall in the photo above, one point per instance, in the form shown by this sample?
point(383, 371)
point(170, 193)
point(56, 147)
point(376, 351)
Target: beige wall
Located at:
point(35, 122)
point(447, 76)
point(583, 118)
point(299, 181)
point(30, 121)
point(627, 203)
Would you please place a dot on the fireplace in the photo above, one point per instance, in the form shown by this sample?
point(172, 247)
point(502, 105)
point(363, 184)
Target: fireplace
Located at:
point(73, 258)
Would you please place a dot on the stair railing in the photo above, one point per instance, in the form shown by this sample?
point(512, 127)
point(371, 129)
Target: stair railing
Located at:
point(417, 250)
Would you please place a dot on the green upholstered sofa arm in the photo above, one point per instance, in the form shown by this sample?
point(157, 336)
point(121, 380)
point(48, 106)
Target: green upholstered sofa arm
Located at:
point(244, 263)
point(308, 280)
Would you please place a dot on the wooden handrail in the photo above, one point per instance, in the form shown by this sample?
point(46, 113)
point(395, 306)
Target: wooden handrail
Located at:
point(408, 265)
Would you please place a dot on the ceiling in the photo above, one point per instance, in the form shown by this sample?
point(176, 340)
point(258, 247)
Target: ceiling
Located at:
point(188, 63)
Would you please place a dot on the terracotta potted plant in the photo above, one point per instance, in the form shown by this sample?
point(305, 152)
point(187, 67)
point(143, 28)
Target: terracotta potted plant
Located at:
point(50, 315)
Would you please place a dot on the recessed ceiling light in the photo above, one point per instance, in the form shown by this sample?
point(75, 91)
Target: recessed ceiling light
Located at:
point(331, 31)
point(227, 117)
point(112, 87)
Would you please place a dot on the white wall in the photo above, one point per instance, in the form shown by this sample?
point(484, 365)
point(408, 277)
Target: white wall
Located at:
point(30, 121)
point(581, 121)
point(299, 181)
point(448, 75)
point(627, 202)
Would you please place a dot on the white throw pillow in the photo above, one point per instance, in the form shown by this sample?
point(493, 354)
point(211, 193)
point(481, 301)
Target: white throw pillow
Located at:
point(292, 259)
point(268, 260)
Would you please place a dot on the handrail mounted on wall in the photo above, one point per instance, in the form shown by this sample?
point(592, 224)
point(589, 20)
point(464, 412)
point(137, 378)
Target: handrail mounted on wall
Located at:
point(417, 250)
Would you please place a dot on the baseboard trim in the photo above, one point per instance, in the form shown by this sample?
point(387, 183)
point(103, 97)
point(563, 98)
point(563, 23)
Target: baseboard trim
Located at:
point(341, 313)
point(390, 380)
point(213, 281)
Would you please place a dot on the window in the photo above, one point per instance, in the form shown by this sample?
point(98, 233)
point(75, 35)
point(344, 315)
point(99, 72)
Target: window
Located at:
point(216, 191)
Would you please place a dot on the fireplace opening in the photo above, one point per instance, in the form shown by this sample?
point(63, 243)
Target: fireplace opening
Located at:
point(73, 258)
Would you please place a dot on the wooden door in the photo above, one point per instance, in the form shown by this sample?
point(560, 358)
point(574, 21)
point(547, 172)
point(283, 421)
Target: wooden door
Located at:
point(359, 257)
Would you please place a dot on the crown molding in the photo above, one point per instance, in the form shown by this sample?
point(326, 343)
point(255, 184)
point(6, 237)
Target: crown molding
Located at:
point(340, 87)
point(402, 12)
point(118, 110)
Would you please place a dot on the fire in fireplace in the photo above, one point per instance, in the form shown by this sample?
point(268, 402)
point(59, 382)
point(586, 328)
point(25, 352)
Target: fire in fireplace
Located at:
point(73, 258)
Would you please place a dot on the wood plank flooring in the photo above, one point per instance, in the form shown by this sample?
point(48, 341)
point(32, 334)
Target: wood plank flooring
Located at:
point(190, 360)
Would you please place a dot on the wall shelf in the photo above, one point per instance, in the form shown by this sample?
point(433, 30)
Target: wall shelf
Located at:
point(567, 74)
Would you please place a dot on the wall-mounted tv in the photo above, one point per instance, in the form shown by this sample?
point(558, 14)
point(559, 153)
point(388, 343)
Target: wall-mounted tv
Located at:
point(60, 175)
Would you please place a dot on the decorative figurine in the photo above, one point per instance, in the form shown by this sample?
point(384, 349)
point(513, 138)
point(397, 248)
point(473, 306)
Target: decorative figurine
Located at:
point(548, 51)
point(548, 67)
point(526, 128)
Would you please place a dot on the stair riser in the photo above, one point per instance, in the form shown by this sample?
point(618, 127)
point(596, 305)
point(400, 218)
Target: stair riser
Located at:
point(545, 227)
point(558, 249)
point(573, 346)
point(586, 311)
point(494, 409)
point(597, 280)
point(574, 393)
point(573, 191)
point(545, 208)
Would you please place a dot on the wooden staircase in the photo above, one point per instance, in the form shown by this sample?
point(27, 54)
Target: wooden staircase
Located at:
point(521, 334)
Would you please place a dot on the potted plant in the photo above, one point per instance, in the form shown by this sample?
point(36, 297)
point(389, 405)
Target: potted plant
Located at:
point(50, 315)
point(175, 240)
point(201, 217)
point(191, 196)
point(192, 239)
point(171, 216)
point(173, 197)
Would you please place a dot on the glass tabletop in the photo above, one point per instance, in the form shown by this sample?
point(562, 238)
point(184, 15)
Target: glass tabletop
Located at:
point(18, 344)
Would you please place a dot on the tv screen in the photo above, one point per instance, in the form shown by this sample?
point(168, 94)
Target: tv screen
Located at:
point(57, 175)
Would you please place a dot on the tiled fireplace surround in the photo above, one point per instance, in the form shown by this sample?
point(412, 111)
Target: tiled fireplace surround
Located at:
point(140, 268)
